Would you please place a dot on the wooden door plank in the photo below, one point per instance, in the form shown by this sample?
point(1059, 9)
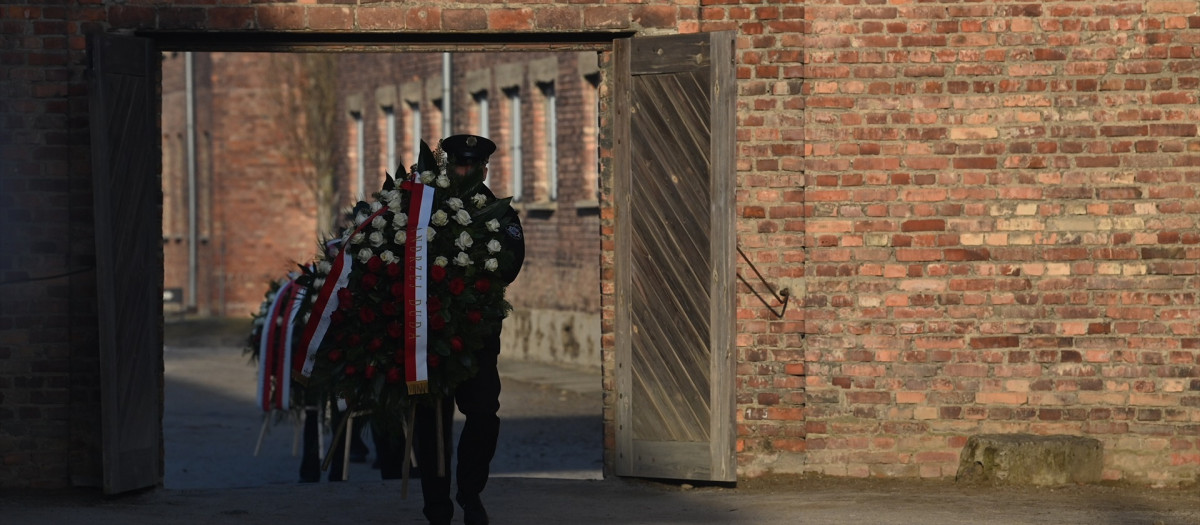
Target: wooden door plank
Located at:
point(126, 191)
point(674, 268)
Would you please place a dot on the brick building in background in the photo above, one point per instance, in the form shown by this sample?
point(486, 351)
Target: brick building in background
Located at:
point(985, 212)
point(254, 214)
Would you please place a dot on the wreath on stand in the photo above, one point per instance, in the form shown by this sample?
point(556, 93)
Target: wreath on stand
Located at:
point(398, 313)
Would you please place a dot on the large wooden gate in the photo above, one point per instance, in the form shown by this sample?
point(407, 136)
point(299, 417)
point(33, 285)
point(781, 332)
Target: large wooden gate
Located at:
point(128, 222)
point(674, 120)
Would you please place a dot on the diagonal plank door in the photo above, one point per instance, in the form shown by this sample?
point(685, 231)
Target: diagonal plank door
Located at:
point(674, 190)
point(127, 195)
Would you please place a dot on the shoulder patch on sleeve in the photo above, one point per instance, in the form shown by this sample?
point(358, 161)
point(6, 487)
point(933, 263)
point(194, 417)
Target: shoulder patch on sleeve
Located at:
point(514, 231)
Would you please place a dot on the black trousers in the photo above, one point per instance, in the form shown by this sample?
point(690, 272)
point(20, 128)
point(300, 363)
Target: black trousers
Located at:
point(389, 449)
point(478, 399)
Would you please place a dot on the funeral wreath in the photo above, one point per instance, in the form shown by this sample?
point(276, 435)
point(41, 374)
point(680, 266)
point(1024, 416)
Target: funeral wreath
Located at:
point(398, 310)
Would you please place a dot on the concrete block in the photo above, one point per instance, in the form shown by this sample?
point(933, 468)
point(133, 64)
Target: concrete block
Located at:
point(1028, 459)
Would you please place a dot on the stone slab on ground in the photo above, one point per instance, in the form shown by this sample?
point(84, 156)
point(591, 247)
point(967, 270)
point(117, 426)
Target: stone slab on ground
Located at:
point(1029, 459)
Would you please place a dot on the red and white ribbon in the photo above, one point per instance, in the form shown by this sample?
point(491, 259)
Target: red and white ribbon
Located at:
point(416, 266)
point(288, 354)
point(275, 348)
point(327, 301)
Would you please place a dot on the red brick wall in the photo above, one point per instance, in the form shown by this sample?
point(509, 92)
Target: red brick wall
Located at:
point(258, 209)
point(985, 212)
point(1000, 216)
point(255, 217)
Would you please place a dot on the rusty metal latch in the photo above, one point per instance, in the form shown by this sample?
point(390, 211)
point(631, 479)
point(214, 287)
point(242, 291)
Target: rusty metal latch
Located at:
point(782, 296)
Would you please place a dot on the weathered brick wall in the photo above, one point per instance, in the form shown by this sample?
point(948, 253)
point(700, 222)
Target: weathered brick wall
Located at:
point(254, 213)
point(985, 212)
point(1002, 235)
point(48, 353)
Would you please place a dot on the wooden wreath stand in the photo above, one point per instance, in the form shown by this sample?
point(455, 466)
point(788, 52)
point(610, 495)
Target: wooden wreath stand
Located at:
point(410, 417)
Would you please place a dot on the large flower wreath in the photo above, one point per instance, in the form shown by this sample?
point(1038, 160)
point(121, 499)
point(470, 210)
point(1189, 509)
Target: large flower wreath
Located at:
point(362, 356)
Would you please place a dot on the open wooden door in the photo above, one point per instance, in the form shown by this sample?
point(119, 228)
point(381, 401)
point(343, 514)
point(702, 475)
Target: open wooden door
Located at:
point(129, 271)
point(674, 187)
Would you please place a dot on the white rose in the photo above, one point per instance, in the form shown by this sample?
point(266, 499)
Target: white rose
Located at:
point(318, 283)
point(443, 181)
point(360, 218)
point(426, 177)
point(462, 259)
point(393, 202)
point(365, 255)
point(375, 206)
point(379, 222)
point(388, 257)
point(400, 220)
point(376, 239)
point(479, 199)
point(491, 265)
point(429, 233)
point(323, 267)
point(463, 241)
point(439, 218)
point(441, 261)
point(454, 203)
point(358, 238)
point(388, 195)
point(307, 315)
point(493, 246)
point(493, 225)
point(462, 217)
point(401, 236)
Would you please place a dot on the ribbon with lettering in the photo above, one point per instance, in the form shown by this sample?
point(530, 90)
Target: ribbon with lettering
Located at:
point(416, 264)
point(327, 301)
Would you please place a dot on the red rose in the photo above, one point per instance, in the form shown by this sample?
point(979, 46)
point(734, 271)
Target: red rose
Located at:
point(354, 340)
point(395, 329)
point(369, 281)
point(394, 375)
point(375, 344)
point(374, 264)
point(388, 309)
point(393, 270)
point(434, 360)
point(366, 315)
point(334, 356)
point(397, 290)
point(457, 286)
point(336, 318)
point(345, 298)
point(436, 322)
point(437, 273)
point(398, 357)
point(350, 370)
point(474, 316)
point(456, 344)
point(433, 304)
point(369, 372)
point(483, 285)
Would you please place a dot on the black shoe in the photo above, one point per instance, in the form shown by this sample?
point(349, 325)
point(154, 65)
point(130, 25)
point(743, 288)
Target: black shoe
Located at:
point(473, 511)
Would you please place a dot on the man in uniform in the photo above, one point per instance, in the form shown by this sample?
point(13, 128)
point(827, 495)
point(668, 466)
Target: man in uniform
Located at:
point(477, 398)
